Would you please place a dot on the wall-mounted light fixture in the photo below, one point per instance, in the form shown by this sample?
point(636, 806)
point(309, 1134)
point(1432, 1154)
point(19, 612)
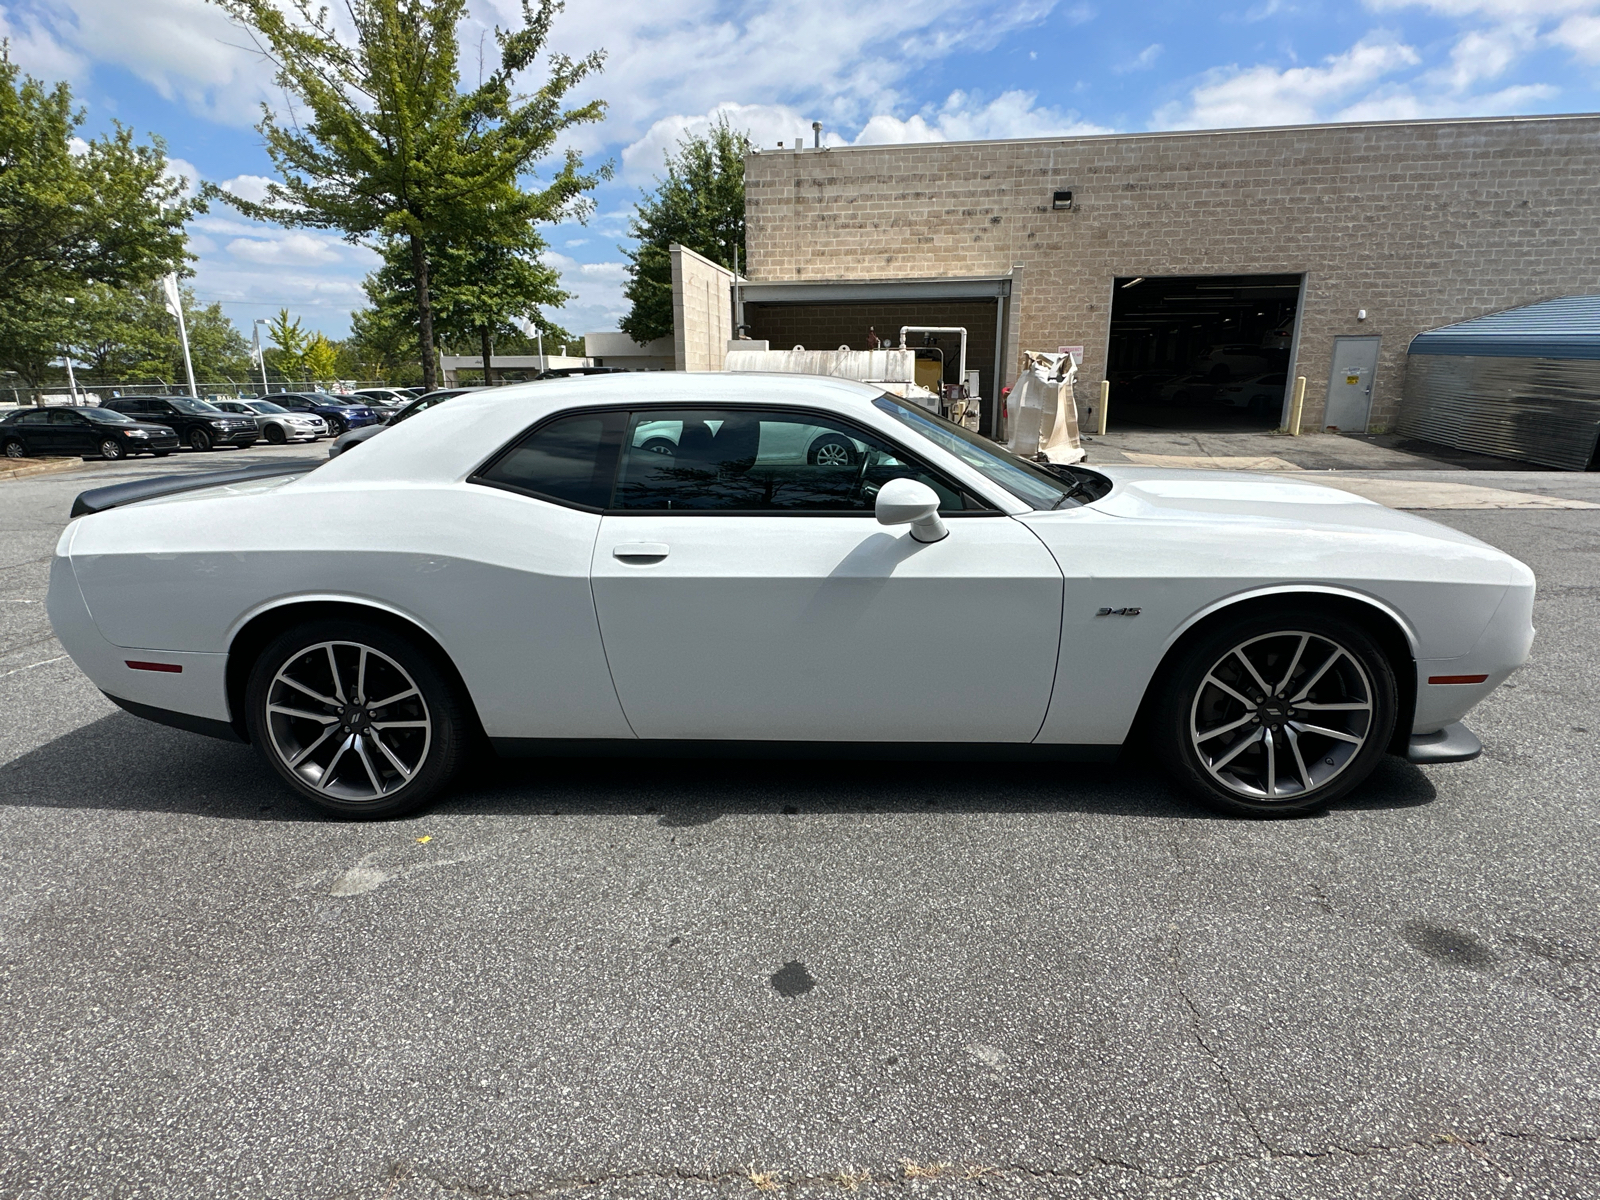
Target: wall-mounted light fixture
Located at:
point(1061, 201)
point(1361, 314)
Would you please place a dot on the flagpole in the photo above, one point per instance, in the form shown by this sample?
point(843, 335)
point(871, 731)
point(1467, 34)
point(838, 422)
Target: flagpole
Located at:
point(261, 355)
point(175, 306)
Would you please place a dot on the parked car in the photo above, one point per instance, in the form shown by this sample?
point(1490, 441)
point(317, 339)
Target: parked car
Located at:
point(198, 425)
point(82, 431)
point(1187, 389)
point(1223, 363)
point(421, 404)
point(340, 415)
point(276, 423)
point(386, 400)
point(574, 372)
point(511, 564)
point(1262, 395)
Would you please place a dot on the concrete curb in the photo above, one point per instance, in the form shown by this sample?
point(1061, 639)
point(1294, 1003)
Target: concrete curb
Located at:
point(43, 466)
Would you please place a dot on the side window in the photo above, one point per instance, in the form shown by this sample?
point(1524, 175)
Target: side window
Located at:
point(61, 416)
point(745, 460)
point(571, 460)
point(41, 417)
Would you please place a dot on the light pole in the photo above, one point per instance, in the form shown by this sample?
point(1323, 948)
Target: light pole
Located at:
point(261, 355)
point(66, 357)
point(169, 284)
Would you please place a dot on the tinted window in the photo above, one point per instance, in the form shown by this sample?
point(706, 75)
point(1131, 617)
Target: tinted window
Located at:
point(62, 417)
point(744, 460)
point(267, 406)
point(34, 418)
point(572, 459)
point(194, 407)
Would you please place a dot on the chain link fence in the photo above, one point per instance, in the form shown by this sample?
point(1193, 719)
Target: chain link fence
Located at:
point(94, 393)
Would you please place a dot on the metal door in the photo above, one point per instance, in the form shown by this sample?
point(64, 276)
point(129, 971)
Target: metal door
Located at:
point(1355, 363)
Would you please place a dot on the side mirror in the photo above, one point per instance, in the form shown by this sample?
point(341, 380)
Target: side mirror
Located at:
point(903, 501)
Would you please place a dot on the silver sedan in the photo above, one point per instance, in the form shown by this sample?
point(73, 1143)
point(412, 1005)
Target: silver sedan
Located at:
point(277, 424)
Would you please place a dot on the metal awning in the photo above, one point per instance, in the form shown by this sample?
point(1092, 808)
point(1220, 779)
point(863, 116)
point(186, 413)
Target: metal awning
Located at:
point(1568, 327)
point(835, 291)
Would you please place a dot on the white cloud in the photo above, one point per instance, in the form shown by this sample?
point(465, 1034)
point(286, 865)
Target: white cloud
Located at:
point(185, 172)
point(1144, 59)
point(247, 187)
point(37, 49)
point(597, 302)
point(287, 246)
point(1581, 35)
point(1232, 97)
point(765, 123)
point(963, 117)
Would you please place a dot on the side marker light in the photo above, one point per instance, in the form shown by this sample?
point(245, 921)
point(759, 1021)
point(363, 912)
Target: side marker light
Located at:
point(1457, 678)
point(171, 668)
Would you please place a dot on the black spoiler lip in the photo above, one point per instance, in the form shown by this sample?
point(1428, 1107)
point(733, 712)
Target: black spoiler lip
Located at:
point(117, 494)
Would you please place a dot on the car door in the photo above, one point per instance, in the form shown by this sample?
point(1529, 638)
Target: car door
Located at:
point(745, 591)
point(34, 428)
point(71, 433)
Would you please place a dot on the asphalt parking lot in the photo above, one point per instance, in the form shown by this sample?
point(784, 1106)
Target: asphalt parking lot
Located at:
point(617, 979)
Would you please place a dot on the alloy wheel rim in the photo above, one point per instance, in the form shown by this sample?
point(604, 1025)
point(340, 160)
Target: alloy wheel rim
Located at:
point(109, 449)
point(14, 450)
point(349, 721)
point(833, 454)
point(1281, 716)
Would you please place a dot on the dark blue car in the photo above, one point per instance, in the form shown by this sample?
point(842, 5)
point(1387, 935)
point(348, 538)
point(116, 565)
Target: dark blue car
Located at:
point(341, 415)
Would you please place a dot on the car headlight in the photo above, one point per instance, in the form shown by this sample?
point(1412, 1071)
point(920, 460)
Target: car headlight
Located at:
point(220, 424)
point(135, 433)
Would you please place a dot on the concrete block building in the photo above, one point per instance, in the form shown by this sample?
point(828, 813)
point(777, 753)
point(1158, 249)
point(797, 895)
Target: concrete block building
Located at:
point(1190, 267)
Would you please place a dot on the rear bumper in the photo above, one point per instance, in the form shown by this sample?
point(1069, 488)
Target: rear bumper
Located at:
point(1453, 743)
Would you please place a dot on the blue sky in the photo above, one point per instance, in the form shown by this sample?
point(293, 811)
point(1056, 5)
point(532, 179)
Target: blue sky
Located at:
point(940, 69)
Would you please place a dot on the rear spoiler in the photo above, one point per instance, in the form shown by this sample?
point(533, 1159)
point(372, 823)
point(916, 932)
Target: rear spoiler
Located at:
point(115, 496)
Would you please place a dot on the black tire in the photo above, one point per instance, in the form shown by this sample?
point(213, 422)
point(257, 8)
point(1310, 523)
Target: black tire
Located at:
point(336, 427)
point(15, 449)
point(433, 755)
point(1201, 704)
point(161, 453)
point(111, 450)
point(199, 440)
point(660, 445)
point(275, 435)
point(832, 450)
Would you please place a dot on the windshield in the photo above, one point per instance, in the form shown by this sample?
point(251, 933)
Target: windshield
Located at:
point(423, 402)
point(267, 406)
point(185, 404)
point(1031, 484)
point(106, 417)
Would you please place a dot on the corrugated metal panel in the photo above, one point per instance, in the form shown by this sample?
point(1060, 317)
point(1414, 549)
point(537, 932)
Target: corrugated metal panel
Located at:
point(1539, 410)
point(1568, 327)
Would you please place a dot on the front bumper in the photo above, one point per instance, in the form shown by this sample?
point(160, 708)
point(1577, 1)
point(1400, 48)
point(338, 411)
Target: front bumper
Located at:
point(1453, 743)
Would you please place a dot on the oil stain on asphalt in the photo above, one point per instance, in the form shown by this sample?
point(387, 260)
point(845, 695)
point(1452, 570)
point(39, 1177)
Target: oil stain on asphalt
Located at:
point(793, 980)
point(1451, 947)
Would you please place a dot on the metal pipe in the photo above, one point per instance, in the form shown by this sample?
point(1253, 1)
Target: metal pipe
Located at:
point(1105, 403)
point(962, 367)
point(816, 135)
point(1297, 406)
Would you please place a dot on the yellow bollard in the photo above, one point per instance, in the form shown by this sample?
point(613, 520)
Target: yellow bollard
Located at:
point(1105, 401)
point(1298, 403)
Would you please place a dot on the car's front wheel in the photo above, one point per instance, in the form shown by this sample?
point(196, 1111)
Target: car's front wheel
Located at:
point(336, 427)
point(199, 440)
point(275, 435)
point(356, 718)
point(1271, 715)
point(832, 450)
point(111, 449)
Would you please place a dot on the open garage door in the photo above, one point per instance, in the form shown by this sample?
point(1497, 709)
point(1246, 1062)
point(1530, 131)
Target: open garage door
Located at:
point(1202, 352)
point(826, 316)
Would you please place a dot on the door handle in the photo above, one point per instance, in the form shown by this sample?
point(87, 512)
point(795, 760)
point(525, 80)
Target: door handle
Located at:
point(641, 550)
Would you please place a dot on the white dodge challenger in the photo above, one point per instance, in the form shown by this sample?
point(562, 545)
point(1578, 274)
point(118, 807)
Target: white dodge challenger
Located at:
point(518, 569)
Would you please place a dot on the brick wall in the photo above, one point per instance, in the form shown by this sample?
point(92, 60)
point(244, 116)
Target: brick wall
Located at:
point(1420, 224)
point(702, 311)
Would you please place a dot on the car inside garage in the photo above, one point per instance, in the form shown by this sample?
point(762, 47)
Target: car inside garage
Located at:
point(1202, 352)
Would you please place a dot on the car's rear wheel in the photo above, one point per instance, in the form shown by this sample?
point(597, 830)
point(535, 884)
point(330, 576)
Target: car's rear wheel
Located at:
point(199, 440)
point(275, 435)
point(356, 718)
point(111, 449)
point(15, 449)
point(1276, 714)
point(832, 450)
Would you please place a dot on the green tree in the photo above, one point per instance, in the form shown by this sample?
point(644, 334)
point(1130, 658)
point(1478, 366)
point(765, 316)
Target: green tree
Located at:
point(700, 205)
point(321, 359)
point(127, 334)
point(289, 342)
point(484, 284)
point(391, 146)
point(104, 213)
